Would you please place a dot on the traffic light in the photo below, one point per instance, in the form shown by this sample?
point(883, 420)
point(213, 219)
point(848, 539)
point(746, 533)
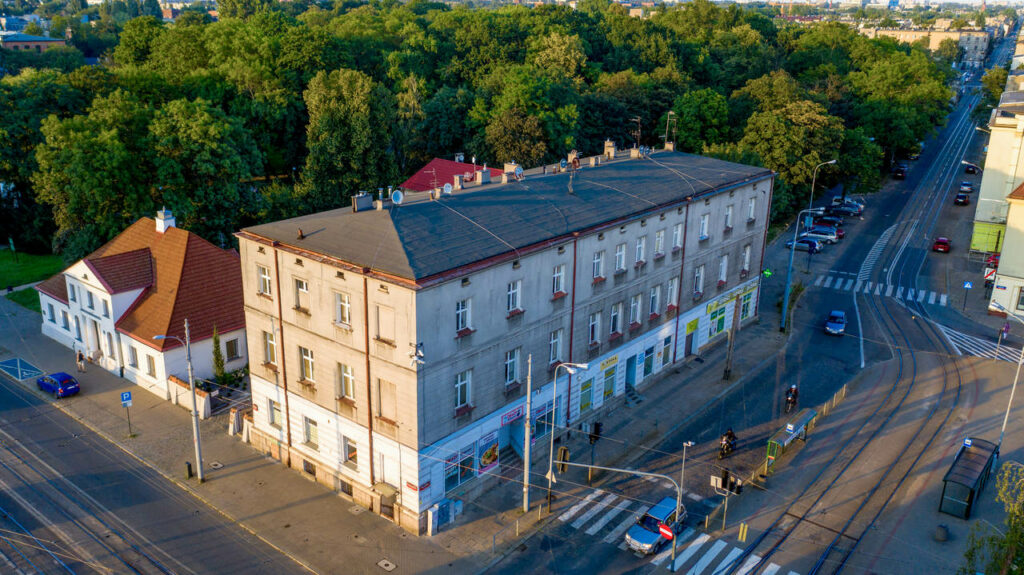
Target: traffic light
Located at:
point(595, 432)
point(563, 456)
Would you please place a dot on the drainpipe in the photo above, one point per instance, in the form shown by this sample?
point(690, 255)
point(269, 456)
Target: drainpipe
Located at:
point(764, 247)
point(679, 292)
point(572, 327)
point(369, 387)
point(282, 355)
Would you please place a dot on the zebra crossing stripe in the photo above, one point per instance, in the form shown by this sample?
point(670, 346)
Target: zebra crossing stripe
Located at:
point(828, 282)
point(878, 289)
point(661, 557)
point(727, 561)
point(849, 284)
point(772, 569)
point(579, 505)
point(707, 558)
point(752, 561)
point(868, 288)
point(942, 300)
point(899, 292)
point(856, 288)
point(931, 298)
point(910, 294)
point(690, 550)
point(920, 296)
point(607, 517)
point(888, 290)
point(626, 524)
point(599, 507)
point(818, 281)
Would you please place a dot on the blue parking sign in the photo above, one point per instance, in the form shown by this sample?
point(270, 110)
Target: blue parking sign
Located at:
point(126, 399)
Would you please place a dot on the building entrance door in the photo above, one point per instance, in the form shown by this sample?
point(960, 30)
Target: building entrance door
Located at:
point(631, 371)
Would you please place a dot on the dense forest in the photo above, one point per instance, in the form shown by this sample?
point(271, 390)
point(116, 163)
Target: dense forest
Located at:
point(277, 110)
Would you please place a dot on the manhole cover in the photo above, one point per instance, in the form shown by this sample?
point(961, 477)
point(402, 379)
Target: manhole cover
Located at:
point(356, 509)
point(216, 465)
point(386, 565)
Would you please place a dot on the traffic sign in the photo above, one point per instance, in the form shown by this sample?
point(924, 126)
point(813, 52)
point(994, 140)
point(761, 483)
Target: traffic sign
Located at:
point(990, 273)
point(967, 442)
point(767, 272)
point(968, 285)
point(126, 399)
point(666, 531)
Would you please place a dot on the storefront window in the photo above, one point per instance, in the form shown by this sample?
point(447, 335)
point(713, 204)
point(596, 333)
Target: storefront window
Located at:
point(716, 322)
point(586, 395)
point(460, 467)
point(648, 361)
point(542, 419)
point(745, 306)
point(609, 381)
point(467, 466)
point(666, 351)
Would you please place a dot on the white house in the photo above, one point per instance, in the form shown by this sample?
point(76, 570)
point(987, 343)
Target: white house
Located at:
point(145, 282)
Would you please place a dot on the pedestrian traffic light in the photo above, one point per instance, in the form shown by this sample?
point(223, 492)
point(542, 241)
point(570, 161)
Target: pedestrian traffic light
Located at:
point(563, 456)
point(725, 478)
point(595, 432)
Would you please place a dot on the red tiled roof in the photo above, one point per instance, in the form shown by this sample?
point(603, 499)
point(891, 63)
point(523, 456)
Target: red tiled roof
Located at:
point(189, 278)
point(1017, 194)
point(123, 272)
point(55, 287)
point(439, 172)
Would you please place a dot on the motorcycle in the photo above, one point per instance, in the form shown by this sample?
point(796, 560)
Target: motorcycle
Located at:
point(791, 395)
point(727, 446)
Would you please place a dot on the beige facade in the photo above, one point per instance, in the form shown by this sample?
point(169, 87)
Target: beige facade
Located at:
point(1008, 289)
point(974, 42)
point(404, 392)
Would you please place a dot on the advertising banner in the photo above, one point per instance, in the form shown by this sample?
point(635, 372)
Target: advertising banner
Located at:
point(488, 451)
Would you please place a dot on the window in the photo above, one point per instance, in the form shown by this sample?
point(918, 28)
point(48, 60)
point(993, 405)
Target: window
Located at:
point(512, 302)
point(558, 279)
point(620, 257)
point(1020, 299)
point(73, 292)
point(106, 308)
point(133, 356)
point(648, 361)
point(659, 243)
point(51, 313)
point(387, 400)
point(463, 381)
point(301, 294)
point(342, 308)
point(586, 395)
point(310, 433)
point(728, 217)
point(110, 345)
point(723, 268)
point(698, 279)
point(511, 366)
point(462, 315)
point(275, 414)
point(641, 249)
point(555, 346)
point(745, 305)
point(634, 309)
point(666, 351)
point(346, 382)
point(599, 264)
point(716, 322)
point(677, 236)
point(544, 419)
point(264, 278)
point(350, 452)
point(231, 349)
point(655, 302)
point(78, 329)
point(746, 257)
point(269, 348)
point(616, 317)
point(306, 363)
point(609, 381)
point(89, 301)
point(673, 292)
point(460, 467)
point(595, 327)
point(751, 208)
point(65, 320)
point(704, 226)
point(150, 366)
point(385, 324)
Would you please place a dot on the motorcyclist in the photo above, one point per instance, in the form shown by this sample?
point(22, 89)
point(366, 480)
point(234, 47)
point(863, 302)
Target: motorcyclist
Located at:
point(791, 395)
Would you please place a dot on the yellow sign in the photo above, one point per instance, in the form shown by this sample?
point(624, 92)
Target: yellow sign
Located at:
point(731, 298)
point(609, 362)
point(692, 326)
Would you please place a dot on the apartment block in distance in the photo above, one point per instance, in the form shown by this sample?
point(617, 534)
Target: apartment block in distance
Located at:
point(390, 341)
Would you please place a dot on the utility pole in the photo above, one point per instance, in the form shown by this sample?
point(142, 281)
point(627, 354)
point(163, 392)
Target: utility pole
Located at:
point(526, 434)
point(732, 337)
point(637, 132)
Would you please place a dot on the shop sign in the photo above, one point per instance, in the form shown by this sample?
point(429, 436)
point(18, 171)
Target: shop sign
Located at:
point(512, 415)
point(412, 486)
point(613, 360)
point(692, 326)
point(424, 486)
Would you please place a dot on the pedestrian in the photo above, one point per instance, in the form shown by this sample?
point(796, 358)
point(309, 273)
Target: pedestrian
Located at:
point(80, 361)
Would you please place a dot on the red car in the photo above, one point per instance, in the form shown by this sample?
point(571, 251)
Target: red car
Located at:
point(941, 245)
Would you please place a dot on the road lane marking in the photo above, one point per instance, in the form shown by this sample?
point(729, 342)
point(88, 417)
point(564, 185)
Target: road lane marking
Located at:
point(878, 289)
point(818, 281)
point(626, 524)
point(576, 508)
point(828, 282)
point(661, 557)
point(707, 558)
point(849, 284)
point(689, 551)
point(599, 507)
point(899, 293)
point(749, 565)
point(771, 570)
point(910, 294)
point(622, 506)
point(856, 288)
point(728, 560)
point(942, 300)
point(920, 296)
point(867, 289)
point(931, 298)
point(888, 290)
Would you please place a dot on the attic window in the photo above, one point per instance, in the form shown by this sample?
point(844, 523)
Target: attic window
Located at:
point(465, 282)
point(622, 229)
point(679, 210)
point(382, 288)
point(600, 236)
point(298, 262)
point(707, 202)
point(515, 265)
point(732, 193)
point(643, 223)
point(340, 275)
point(260, 250)
point(662, 217)
point(85, 276)
point(561, 250)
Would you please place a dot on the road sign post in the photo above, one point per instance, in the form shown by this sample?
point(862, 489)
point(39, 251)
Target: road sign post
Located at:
point(967, 289)
point(666, 531)
point(126, 402)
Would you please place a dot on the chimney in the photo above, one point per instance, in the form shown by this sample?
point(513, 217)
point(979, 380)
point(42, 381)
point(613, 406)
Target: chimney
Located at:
point(164, 220)
point(484, 176)
point(609, 149)
point(362, 201)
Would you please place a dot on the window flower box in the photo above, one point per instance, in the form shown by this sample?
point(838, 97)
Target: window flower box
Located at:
point(515, 312)
point(464, 410)
point(676, 249)
point(615, 336)
point(659, 256)
point(639, 264)
point(654, 316)
point(599, 280)
point(619, 272)
point(634, 326)
point(704, 238)
point(727, 229)
point(721, 283)
point(697, 295)
point(464, 332)
point(744, 273)
point(560, 294)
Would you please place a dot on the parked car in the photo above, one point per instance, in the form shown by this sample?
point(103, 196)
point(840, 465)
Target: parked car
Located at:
point(942, 245)
point(834, 221)
point(805, 245)
point(966, 187)
point(830, 230)
point(836, 322)
point(844, 210)
point(59, 384)
point(962, 199)
point(645, 536)
point(824, 236)
point(841, 201)
point(899, 171)
point(970, 169)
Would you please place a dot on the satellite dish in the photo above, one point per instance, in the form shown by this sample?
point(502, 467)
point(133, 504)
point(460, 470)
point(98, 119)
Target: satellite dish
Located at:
point(447, 189)
point(562, 164)
point(519, 172)
point(397, 196)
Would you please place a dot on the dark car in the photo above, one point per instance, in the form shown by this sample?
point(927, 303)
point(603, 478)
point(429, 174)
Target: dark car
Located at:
point(942, 245)
point(805, 245)
point(59, 384)
point(970, 169)
point(836, 323)
point(899, 172)
point(962, 199)
point(833, 221)
point(844, 210)
point(645, 537)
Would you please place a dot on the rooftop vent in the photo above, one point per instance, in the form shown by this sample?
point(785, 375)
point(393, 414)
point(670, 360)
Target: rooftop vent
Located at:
point(164, 220)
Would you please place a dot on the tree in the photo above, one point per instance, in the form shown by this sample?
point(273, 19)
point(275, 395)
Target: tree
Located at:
point(958, 23)
point(559, 55)
point(702, 118)
point(33, 29)
point(137, 41)
point(515, 136)
point(949, 50)
point(979, 20)
point(1000, 552)
point(241, 8)
point(218, 358)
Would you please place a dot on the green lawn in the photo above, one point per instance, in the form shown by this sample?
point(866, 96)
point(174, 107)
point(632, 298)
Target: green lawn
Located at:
point(27, 298)
point(29, 268)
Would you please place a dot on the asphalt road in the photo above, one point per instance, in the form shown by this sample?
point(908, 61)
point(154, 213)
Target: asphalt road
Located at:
point(70, 502)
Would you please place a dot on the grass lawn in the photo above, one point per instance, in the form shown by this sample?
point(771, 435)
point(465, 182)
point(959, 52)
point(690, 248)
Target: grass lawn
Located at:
point(27, 298)
point(29, 268)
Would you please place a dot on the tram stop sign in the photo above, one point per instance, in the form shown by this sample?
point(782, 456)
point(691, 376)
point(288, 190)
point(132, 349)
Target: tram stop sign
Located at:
point(666, 531)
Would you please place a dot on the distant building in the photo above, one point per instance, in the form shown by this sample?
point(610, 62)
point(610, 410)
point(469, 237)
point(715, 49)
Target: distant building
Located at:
point(974, 42)
point(25, 42)
point(12, 23)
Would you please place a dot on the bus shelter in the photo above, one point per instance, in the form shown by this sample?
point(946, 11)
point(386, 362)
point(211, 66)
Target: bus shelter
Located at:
point(966, 478)
point(796, 428)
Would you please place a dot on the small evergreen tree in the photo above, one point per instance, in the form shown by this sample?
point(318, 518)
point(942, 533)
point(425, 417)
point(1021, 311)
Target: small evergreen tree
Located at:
point(218, 358)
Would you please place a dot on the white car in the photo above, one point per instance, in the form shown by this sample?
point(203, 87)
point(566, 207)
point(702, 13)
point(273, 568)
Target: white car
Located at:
point(821, 235)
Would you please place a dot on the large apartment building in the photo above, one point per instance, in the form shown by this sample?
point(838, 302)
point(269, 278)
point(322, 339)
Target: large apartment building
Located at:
point(389, 341)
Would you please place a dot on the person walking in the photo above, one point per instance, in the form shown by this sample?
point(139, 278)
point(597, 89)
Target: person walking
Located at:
point(80, 361)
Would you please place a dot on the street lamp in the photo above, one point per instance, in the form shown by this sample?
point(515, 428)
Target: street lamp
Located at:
point(570, 368)
point(1016, 377)
point(789, 271)
point(980, 129)
point(810, 201)
point(975, 166)
point(679, 495)
point(192, 384)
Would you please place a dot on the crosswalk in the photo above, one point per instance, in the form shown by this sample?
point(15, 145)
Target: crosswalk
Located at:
point(850, 282)
point(608, 516)
point(966, 344)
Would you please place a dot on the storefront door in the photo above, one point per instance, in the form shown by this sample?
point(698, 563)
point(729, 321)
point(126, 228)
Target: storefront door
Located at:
point(631, 371)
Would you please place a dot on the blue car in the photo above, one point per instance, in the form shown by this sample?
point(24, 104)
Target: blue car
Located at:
point(836, 323)
point(59, 384)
